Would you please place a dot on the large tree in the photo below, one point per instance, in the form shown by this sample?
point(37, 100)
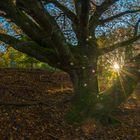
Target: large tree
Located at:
point(47, 42)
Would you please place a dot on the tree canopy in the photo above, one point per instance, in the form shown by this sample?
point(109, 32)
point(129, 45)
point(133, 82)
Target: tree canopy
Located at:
point(41, 22)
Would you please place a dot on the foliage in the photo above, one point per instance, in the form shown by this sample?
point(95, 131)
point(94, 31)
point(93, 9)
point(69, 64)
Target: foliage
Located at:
point(14, 59)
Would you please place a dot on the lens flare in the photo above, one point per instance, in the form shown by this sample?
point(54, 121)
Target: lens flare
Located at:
point(116, 66)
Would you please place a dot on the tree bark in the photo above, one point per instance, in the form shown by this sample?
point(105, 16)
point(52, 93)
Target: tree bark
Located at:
point(85, 83)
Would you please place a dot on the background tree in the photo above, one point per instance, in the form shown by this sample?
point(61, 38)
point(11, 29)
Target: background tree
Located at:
point(72, 45)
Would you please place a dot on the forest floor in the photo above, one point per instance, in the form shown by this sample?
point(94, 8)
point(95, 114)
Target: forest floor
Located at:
point(34, 104)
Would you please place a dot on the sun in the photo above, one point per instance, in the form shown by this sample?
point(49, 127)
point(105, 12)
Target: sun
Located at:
point(116, 66)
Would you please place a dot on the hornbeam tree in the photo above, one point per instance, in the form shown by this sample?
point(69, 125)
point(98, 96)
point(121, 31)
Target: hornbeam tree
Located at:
point(46, 42)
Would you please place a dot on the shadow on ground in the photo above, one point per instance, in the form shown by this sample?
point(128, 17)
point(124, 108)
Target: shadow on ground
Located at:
point(34, 103)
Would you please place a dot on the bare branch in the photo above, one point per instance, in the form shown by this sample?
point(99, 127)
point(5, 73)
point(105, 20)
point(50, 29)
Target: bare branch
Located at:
point(118, 45)
point(118, 15)
point(45, 38)
point(64, 9)
point(36, 10)
point(94, 20)
point(104, 6)
point(32, 49)
point(28, 26)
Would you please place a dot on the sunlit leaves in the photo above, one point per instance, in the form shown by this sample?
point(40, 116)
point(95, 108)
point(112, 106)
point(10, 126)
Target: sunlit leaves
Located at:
point(12, 58)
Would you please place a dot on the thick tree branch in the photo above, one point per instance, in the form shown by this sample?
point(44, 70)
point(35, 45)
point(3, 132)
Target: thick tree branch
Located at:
point(28, 26)
point(36, 10)
point(64, 9)
point(47, 22)
point(103, 7)
point(117, 16)
point(82, 11)
point(36, 32)
point(32, 49)
point(94, 20)
point(118, 45)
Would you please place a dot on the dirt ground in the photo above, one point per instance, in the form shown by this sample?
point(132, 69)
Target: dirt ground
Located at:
point(34, 104)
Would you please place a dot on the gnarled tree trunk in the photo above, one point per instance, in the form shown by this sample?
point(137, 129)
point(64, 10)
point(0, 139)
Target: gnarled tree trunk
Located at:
point(85, 83)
